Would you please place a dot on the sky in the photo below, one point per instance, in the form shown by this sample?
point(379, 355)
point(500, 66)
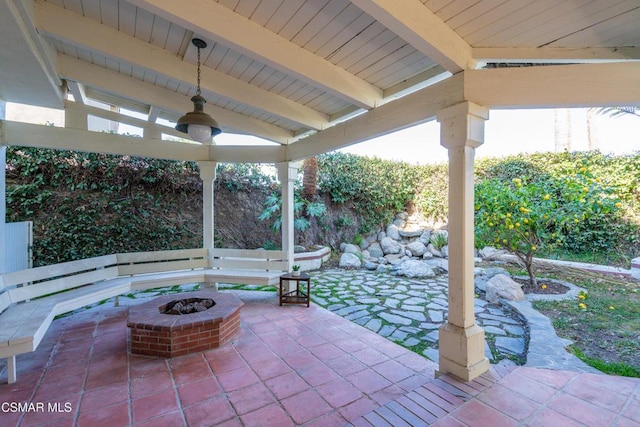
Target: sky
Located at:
point(506, 132)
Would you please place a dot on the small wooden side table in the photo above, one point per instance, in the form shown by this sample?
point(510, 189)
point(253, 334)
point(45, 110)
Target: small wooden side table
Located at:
point(296, 296)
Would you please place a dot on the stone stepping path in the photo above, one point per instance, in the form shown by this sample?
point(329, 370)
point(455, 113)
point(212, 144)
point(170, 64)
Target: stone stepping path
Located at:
point(410, 311)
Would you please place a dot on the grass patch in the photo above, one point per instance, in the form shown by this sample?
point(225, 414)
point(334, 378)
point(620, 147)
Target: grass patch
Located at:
point(605, 328)
point(621, 369)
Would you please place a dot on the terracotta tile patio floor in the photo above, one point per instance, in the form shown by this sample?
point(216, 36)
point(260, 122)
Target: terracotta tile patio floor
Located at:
point(289, 365)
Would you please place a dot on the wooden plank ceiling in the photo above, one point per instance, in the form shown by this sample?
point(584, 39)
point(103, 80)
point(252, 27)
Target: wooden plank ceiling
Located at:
point(286, 69)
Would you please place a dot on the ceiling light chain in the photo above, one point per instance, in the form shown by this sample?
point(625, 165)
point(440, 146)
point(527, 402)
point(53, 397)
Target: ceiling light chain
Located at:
point(198, 124)
point(198, 88)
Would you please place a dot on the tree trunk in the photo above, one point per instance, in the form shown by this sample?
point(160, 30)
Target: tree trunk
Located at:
point(562, 130)
point(309, 178)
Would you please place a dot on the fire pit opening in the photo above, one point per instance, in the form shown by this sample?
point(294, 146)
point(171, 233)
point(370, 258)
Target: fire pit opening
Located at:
point(187, 306)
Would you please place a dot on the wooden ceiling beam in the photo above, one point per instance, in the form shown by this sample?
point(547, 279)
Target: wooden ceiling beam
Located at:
point(556, 86)
point(211, 20)
point(412, 21)
point(30, 135)
point(556, 55)
point(418, 107)
point(72, 28)
point(167, 100)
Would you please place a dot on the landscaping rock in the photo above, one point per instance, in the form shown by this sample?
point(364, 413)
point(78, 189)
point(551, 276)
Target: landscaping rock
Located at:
point(407, 233)
point(417, 248)
point(445, 251)
point(483, 275)
point(349, 260)
point(351, 249)
point(491, 253)
point(425, 237)
point(371, 266)
point(393, 232)
point(502, 286)
point(414, 268)
point(375, 250)
point(390, 246)
point(433, 251)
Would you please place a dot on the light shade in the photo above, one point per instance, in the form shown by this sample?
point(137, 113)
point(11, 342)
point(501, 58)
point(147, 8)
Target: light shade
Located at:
point(199, 125)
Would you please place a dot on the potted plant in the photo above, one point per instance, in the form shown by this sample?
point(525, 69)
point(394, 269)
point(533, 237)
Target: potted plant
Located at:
point(295, 270)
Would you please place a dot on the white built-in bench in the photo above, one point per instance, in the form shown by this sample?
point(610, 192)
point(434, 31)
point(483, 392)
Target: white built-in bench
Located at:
point(30, 299)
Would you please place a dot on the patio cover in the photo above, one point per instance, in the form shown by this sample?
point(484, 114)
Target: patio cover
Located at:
point(315, 76)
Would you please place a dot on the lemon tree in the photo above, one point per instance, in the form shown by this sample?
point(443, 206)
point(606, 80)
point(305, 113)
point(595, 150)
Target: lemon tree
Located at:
point(527, 215)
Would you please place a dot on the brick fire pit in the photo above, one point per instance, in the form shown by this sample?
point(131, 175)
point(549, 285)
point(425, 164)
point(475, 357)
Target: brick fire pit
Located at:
point(167, 335)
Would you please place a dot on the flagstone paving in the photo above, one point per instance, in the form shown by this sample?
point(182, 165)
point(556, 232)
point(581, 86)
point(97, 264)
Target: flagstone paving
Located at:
point(410, 311)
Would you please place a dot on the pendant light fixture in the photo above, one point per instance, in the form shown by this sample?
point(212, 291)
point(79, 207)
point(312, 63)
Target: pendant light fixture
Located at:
point(198, 124)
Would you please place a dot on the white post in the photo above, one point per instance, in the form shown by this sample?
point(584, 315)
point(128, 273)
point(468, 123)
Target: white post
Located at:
point(287, 174)
point(152, 132)
point(76, 118)
point(461, 340)
point(208, 175)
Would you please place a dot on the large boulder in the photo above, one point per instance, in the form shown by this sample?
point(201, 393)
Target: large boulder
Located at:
point(502, 286)
point(349, 260)
point(483, 275)
point(371, 266)
point(425, 237)
point(375, 250)
point(433, 251)
point(390, 246)
point(350, 249)
point(416, 248)
point(409, 233)
point(394, 258)
point(414, 268)
point(393, 232)
point(491, 253)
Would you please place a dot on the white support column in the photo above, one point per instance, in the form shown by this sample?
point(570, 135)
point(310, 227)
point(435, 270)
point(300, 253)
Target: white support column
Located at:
point(151, 132)
point(76, 118)
point(208, 176)
point(461, 340)
point(287, 174)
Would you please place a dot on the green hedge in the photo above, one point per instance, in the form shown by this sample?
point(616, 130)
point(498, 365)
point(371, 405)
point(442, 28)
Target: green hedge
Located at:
point(85, 205)
point(379, 188)
point(89, 204)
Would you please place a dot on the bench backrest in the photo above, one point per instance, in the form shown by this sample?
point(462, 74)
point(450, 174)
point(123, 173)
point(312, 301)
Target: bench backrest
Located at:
point(158, 261)
point(248, 259)
point(22, 285)
point(36, 282)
